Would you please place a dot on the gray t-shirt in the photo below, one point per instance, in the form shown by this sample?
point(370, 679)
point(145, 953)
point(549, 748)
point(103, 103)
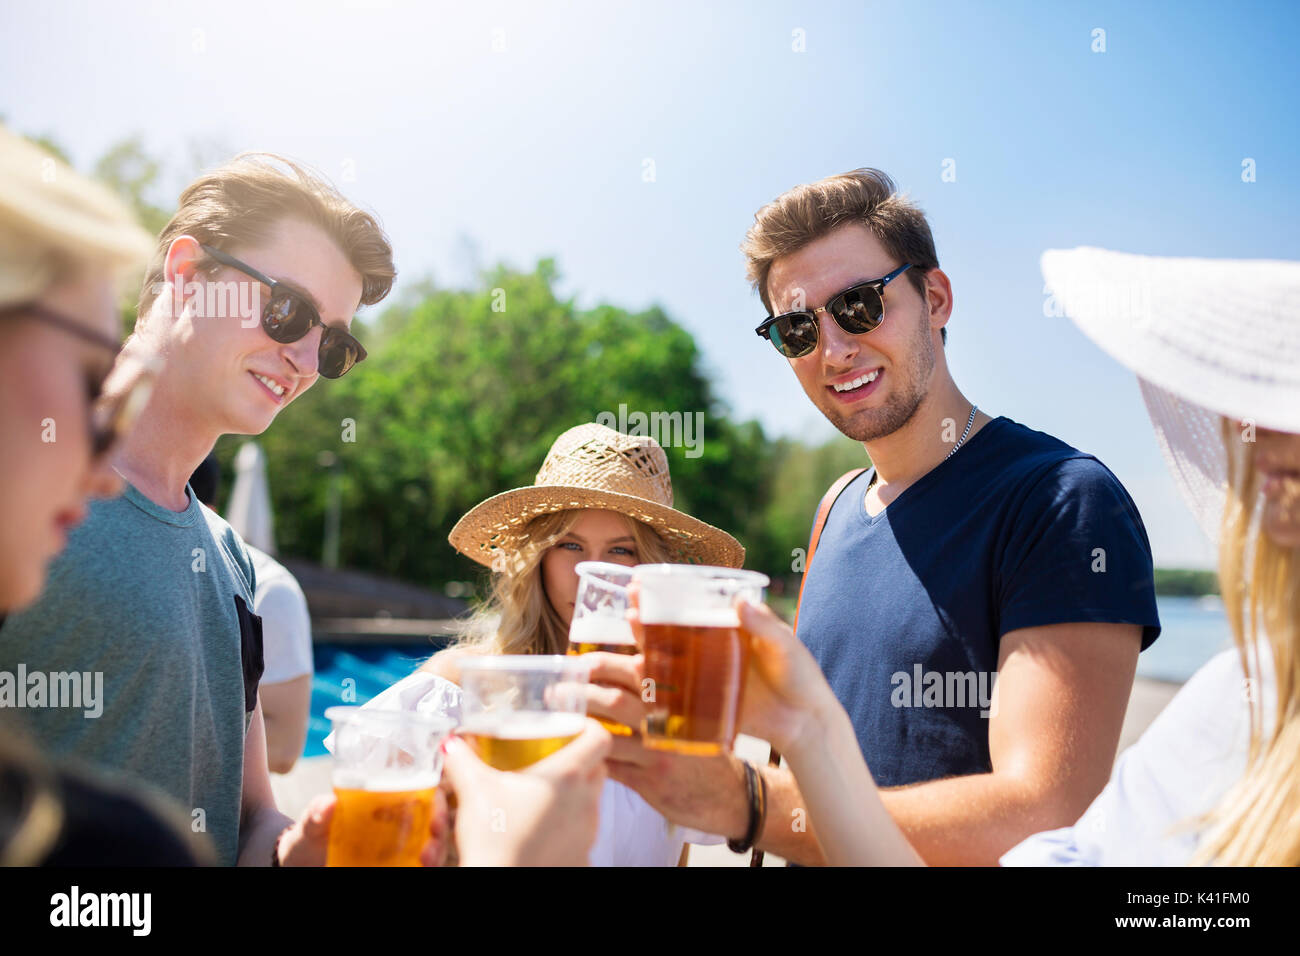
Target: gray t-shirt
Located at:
point(143, 600)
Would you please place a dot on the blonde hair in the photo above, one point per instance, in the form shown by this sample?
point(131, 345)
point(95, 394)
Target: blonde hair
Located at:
point(56, 225)
point(518, 617)
point(806, 213)
point(1257, 822)
point(240, 203)
point(31, 822)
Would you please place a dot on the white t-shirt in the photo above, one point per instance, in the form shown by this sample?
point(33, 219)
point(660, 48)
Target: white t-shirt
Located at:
point(286, 623)
point(630, 832)
point(1181, 766)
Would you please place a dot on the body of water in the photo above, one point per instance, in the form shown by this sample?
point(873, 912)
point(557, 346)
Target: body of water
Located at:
point(1193, 631)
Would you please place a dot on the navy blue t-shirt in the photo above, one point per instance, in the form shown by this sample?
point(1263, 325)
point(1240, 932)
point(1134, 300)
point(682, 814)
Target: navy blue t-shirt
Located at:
point(904, 611)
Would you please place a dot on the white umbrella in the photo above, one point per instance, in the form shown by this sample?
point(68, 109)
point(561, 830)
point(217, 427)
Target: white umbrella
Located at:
point(249, 512)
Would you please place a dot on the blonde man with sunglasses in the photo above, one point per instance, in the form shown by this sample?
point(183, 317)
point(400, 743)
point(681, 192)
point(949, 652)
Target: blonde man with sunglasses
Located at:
point(248, 301)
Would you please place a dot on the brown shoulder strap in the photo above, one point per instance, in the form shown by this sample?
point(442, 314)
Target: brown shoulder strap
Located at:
point(823, 512)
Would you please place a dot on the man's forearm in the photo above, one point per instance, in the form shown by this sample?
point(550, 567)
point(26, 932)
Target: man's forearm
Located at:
point(973, 820)
point(285, 738)
point(257, 835)
point(286, 707)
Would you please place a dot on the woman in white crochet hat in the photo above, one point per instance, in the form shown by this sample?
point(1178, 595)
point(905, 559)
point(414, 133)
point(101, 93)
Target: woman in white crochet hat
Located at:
point(600, 496)
point(1216, 347)
point(1216, 777)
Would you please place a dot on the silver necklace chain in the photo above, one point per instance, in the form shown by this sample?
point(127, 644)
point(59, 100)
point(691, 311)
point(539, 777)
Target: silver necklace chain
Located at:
point(964, 435)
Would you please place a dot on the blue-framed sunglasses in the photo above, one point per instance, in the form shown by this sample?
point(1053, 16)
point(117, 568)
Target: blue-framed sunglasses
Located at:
point(288, 316)
point(857, 310)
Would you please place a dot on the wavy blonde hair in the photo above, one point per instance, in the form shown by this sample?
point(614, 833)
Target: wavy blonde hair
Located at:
point(1257, 822)
point(518, 617)
point(241, 202)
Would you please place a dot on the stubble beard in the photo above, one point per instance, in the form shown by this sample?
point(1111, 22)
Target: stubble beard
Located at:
point(908, 388)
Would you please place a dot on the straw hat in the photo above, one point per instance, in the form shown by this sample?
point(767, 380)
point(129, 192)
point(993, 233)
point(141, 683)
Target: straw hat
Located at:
point(592, 466)
point(1207, 338)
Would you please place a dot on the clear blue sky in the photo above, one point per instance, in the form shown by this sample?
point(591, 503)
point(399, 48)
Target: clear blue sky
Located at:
point(537, 148)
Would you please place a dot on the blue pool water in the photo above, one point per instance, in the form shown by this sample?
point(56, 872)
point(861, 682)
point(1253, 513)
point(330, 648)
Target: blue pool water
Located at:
point(1194, 630)
point(352, 674)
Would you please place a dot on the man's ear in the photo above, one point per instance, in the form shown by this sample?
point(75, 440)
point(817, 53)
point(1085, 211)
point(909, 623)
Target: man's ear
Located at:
point(180, 267)
point(938, 297)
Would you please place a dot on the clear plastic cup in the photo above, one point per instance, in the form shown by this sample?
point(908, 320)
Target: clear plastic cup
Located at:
point(517, 709)
point(387, 764)
point(696, 654)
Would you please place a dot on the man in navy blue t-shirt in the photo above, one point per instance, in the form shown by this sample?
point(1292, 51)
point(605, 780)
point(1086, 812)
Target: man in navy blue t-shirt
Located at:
point(978, 598)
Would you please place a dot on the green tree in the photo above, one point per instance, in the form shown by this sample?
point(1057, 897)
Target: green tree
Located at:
point(464, 392)
point(133, 174)
point(801, 474)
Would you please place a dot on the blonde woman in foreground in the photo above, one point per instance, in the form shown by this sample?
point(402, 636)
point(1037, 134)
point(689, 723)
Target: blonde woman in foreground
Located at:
point(1215, 779)
point(67, 247)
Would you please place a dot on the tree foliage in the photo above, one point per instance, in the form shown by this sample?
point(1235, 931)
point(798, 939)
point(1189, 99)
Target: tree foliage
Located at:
point(461, 397)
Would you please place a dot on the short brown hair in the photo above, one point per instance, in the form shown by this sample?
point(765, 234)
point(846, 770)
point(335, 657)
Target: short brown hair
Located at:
point(241, 202)
point(808, 212)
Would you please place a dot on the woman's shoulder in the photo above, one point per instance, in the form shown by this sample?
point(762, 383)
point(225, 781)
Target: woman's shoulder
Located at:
point(446, 663)
point(104, 821)
point(69, 814)
point(1218, 696)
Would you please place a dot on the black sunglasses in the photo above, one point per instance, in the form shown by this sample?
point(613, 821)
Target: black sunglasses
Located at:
point(111, 416)
point(289, 316)
point(857, 310)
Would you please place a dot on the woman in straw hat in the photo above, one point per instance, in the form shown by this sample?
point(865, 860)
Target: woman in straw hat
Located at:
point(600, 496)
point(613, 486)
point(64, 244)
point(1215, 779)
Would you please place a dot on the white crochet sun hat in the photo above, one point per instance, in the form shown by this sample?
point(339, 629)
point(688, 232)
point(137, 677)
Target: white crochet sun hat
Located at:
point(1207, 338)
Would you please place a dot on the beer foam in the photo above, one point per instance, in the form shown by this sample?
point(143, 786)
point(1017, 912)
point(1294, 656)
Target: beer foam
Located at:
point(688, 600)
point(601, 629)
point(389, 781)
point(525, 724)
point(667, 608)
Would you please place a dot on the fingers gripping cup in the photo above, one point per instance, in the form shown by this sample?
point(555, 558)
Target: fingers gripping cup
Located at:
point(386, 768)
point(696, 654)
point(517, 709)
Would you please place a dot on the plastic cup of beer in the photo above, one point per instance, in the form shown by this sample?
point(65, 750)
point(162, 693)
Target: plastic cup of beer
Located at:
point(696, 654)
point(386, 768)
point(600, 618)
point(517, 709)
